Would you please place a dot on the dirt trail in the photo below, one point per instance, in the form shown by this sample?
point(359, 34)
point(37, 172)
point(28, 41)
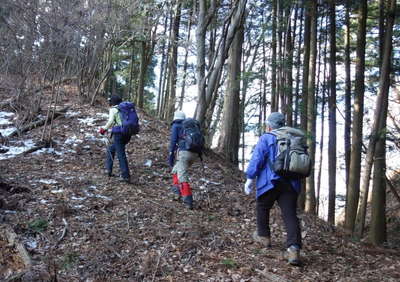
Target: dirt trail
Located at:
point(80, 225)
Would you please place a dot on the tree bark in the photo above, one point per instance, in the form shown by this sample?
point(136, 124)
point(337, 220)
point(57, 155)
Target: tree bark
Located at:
point(230, 132)
point(173, 62)
point(311, 111)
point(332, 114)
point(353, 188)
point(347, 122)
point(378, 134)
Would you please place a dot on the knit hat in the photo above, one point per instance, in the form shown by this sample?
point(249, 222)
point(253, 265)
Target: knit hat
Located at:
point(276, 120)
point(179, 115)
point(114, 100)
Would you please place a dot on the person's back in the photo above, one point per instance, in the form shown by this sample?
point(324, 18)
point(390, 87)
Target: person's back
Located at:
point(273, 187)
point(184, 159)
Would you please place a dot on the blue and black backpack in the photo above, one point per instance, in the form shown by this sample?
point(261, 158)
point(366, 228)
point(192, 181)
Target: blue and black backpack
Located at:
point(192, 136)
point(129, 119)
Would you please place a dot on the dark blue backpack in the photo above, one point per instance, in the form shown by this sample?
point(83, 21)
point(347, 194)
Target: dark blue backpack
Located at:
point(129, 119)
point(192, 136)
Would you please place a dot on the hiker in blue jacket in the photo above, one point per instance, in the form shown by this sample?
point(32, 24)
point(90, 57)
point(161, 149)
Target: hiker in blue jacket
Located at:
point(184, 159)
point(119, 141)
point(271, 187)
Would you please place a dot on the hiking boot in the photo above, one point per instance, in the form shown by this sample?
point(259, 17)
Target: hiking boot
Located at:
point(108, 173)
point(292, 254)
point(264, 240)
point(126, 180)
point(176, 194)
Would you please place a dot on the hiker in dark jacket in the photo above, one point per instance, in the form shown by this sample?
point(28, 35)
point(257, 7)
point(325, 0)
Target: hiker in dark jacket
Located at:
point(271, 187)
point(119, 141)
point(184, 159)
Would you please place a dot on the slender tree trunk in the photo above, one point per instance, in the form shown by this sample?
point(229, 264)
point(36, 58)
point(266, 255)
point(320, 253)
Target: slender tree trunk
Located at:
point(347, 122)
point(311, 111)
point(323, 99)
point(288, 86)
point(274, 106)
point(304, 90)
point(162, 69)
point(173, 62)
point(230, 132)
point(332, 114)
point(298, 64)
point(378, 133)
point(142, 75)
point(357, 130)
point(185, 62)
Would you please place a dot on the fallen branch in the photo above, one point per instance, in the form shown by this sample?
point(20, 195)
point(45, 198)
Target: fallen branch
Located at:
point(64, 231)
point(36, 148)
point(35, 124)
point(159, 259)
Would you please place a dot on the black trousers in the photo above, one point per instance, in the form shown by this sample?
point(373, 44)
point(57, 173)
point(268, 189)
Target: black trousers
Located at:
point(286, 197)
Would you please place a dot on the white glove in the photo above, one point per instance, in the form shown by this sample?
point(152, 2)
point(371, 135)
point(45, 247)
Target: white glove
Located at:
point(248, 186)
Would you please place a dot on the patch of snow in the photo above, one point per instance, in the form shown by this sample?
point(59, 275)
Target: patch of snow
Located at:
point(103, 197)
point(6, 115)
point(78, 198)
point(7, 131)
point(43, 201)
point(31, 244)
point(103, 115)
point(16, 150)
point(89, 121)
point(72, 114)
point(148, 163)
point(48, 181)
point(73, 140)
point(79, 206)
point(57, 191)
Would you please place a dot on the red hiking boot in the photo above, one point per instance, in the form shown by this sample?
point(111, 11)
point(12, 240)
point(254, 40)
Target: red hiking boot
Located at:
point(186, 192)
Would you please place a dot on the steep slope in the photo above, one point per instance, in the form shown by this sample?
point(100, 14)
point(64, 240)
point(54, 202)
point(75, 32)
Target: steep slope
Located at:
point(80, 225)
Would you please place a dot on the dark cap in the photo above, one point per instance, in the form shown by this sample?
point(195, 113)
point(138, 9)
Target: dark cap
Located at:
point(114, 100)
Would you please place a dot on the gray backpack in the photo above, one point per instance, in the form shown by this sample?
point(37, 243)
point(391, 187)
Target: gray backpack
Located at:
point(292, 160)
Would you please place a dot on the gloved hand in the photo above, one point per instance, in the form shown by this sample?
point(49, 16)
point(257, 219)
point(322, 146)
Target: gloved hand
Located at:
point(102, 131)
point(248, 186)
point(171, 159)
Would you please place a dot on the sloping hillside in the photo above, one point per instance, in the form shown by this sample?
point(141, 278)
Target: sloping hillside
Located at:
point(76, 224)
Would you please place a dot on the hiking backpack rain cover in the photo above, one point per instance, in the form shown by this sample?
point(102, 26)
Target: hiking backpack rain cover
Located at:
point(292, 160)
point(129, 119)
point(192, 136)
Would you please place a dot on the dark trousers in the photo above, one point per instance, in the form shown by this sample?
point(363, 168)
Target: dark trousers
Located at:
point(118, 146)
point(286, 197)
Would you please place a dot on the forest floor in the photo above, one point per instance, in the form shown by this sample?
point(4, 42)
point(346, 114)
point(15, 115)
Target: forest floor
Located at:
point(62, 219)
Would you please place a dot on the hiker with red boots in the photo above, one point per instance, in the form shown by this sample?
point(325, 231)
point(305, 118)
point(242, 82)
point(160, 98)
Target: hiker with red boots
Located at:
point(123, 121)
point(185, 146)
point(271, 187)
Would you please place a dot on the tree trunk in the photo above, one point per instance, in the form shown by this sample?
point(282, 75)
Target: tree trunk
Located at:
point(353, 189)
point(304, 90)
point(274, 103)
point(173, 62)
point(347, 122)
point(212, 79)
point(230, 132)
point(378, 129)
point(332, 114)
point(311, 112)
point(185, 62)
point(142, 75)
point(162, 69)
point(298, 64)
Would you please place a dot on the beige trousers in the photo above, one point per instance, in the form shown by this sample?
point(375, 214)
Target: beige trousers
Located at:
point(184, 160)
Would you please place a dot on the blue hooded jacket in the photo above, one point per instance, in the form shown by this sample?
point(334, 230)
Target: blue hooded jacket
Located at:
point(260, 169)
point(176, 133)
